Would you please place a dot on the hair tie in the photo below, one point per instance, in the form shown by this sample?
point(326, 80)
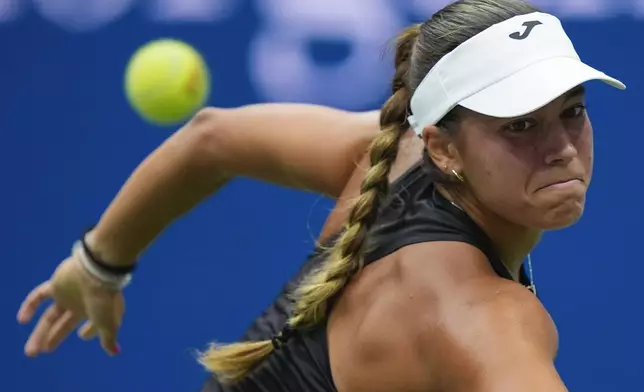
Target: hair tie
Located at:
point(282, 338)
point(277, 344)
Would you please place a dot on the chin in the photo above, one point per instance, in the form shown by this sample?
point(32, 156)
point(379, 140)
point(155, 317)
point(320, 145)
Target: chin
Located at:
point(561, 216)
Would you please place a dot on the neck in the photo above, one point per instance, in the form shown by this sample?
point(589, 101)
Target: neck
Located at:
point(513, 242)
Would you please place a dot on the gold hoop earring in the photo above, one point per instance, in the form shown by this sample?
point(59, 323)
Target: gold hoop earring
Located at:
point(460, 177)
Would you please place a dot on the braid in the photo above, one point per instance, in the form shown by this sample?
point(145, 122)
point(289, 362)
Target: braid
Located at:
point(232, 362)
point(346, 257)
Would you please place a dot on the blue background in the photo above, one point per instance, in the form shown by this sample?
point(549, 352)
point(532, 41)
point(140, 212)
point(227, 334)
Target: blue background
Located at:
point(69, 140)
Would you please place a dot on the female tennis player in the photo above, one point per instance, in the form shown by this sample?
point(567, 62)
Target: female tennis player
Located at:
point(423, 286)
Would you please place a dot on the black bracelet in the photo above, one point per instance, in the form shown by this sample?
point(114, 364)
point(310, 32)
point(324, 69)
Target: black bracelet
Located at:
point(119, 270)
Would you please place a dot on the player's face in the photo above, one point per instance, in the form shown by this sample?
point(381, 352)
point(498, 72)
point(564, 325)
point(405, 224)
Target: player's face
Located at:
point(532, 170)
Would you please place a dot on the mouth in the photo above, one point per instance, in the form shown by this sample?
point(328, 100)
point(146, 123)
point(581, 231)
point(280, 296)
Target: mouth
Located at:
point(563, 184)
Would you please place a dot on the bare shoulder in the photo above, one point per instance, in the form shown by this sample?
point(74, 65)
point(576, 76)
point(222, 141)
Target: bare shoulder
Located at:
point(494, 335)
point(438, 318)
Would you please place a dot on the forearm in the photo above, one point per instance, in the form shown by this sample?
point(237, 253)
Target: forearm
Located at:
point(302, 146)
point(172, 180)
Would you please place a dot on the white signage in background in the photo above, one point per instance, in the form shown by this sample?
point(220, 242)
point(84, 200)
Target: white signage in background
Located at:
point(86, 15)
point(9, 9)
point(192, 10)
point(423, 9)
point(91, 15)
point(282, 69)
point(281, 66)
point(82, 15)
point(585, 9)
point(568, 9)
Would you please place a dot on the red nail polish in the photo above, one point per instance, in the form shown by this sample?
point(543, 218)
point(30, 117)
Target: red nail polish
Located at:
point(117, 349)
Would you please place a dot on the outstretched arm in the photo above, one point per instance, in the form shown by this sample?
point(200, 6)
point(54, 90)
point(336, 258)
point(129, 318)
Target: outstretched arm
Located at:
point(295, 145)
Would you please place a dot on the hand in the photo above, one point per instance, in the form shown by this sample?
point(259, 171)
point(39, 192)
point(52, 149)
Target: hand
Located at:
point(77, 296)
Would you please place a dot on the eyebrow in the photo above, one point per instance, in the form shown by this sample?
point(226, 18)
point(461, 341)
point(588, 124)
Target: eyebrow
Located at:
point(576, 92)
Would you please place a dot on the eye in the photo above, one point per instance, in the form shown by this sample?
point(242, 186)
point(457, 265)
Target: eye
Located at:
point(574, 112)
point(520, 126)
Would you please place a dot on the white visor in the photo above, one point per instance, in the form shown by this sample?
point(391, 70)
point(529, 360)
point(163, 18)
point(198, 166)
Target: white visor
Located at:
point(510, 69)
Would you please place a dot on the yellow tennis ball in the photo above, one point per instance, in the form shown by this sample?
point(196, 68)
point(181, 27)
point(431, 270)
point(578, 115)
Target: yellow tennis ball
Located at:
point(166, 81)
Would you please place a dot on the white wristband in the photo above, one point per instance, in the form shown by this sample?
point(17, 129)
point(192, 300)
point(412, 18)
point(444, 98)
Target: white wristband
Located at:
point(117, 282)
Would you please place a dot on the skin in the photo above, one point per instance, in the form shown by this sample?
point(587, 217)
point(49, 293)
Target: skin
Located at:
point(463, 328)
point(511, 166)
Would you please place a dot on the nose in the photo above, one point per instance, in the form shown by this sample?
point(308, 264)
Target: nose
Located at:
point(559, 146)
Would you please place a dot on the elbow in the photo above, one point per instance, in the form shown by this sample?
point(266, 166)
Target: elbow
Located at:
point(204, 139)
point(205, 117)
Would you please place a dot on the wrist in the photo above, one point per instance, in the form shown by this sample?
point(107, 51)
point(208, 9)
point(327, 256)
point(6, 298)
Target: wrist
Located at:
point(102, 249)
point(108, 278)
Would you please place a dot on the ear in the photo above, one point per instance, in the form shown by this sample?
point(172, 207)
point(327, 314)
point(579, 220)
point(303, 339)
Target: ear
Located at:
point(441, 149)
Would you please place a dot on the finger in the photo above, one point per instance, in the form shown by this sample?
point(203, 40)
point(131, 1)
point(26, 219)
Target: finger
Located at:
point(88, 331)
point(108, 341)
point(36, 341)
point(33, 301)
point(108, 321)
point(60, 330)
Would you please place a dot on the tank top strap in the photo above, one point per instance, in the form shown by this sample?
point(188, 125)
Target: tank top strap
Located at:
point(417, 212)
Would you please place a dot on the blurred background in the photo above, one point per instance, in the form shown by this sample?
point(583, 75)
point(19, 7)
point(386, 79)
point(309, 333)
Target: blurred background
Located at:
point(69, 140)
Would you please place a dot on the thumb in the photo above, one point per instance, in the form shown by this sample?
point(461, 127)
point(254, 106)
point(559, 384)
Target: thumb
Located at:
point(109, 341)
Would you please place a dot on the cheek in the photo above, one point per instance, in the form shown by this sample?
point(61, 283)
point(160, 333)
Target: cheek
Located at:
point(585, 149)
point(497, 162)
point(498, 178)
